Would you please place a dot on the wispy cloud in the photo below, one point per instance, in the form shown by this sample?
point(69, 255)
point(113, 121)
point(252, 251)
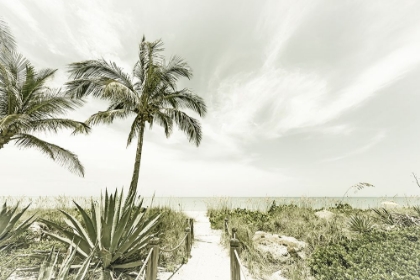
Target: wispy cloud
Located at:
point(373, 142)
point(273, 100)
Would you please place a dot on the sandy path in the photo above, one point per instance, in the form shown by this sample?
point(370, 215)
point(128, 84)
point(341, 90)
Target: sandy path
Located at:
point(209, 259)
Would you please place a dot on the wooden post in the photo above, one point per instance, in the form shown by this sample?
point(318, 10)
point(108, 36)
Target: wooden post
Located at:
point(152, 265)
point(192, 229)
point(188, 242)
point(226, 226)
point(235, 270)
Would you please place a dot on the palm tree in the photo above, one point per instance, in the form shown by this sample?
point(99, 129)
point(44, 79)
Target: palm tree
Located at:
point(149, 95)
point(27, 106)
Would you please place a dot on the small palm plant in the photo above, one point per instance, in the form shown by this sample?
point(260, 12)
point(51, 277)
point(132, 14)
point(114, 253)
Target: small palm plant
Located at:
point(115, 231)
point(360, 224)
point(8, 220)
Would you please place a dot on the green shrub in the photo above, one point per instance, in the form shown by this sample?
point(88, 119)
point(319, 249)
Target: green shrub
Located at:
point(373, 255)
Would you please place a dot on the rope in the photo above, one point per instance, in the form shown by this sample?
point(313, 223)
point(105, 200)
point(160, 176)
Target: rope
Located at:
point(240, 264)
point(144, 265)
point(173, 249)
point(176, 270)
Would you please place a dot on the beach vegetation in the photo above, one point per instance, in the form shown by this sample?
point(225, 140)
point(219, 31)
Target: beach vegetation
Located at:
point(29, 250)
point(371, 255)
point(350, 244)
point(361, 224)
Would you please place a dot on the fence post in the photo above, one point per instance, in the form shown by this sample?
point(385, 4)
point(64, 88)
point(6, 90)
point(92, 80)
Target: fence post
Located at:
point(151, 270)
point(188, 242)
point(234, 230)
point(192, 228)
point(235, 270)
point(226, 226)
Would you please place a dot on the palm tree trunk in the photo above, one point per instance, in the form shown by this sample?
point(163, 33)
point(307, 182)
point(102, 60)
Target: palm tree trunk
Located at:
point(136, 171)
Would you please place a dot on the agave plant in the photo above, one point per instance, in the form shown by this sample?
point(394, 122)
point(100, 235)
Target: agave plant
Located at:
point(115, 231)
point(385, 216)
point(50, 269)
point(360, 224)
point(8, 220)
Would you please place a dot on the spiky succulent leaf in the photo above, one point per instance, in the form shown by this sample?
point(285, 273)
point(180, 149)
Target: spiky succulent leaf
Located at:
point(48, 266)
point(8, 220)
point(113, 232)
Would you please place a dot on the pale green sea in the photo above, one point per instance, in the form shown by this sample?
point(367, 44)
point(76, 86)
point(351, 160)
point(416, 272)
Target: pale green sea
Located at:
point(263, 203)
point(202, 203)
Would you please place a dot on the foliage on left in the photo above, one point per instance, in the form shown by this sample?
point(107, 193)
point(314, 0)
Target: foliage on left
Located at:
point(28, 106)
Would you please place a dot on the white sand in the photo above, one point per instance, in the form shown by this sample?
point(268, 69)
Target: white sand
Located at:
point(210, 260)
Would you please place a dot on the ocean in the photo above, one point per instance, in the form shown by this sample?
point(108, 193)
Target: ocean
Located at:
point(263, 203)
point(202, 203)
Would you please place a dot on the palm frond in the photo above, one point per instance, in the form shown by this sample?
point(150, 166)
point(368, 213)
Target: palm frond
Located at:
point(116, 92)
point(50, 104)
point(107, 117)
point(175, 69)
point(34, 82)
point(15, 64)
point(92, 76)
point(135, 129)
point(7, 41)
point(139, 67)
point(190, 126)
point(58, 154)
point(18, 121)
point(10, 76)
point(53, 125)
point(165, 121)
point(185, 99)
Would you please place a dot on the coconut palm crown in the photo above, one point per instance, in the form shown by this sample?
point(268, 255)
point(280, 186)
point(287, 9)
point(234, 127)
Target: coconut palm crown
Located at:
point(149, 95)
point(28, 106)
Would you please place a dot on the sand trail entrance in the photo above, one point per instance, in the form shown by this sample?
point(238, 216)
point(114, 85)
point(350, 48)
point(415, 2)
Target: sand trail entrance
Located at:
point(210, 260)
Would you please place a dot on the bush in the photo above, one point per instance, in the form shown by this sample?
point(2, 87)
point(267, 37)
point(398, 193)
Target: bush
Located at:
point(373, 255)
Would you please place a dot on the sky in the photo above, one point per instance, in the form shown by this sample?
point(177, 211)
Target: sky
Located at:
point(305, 98)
